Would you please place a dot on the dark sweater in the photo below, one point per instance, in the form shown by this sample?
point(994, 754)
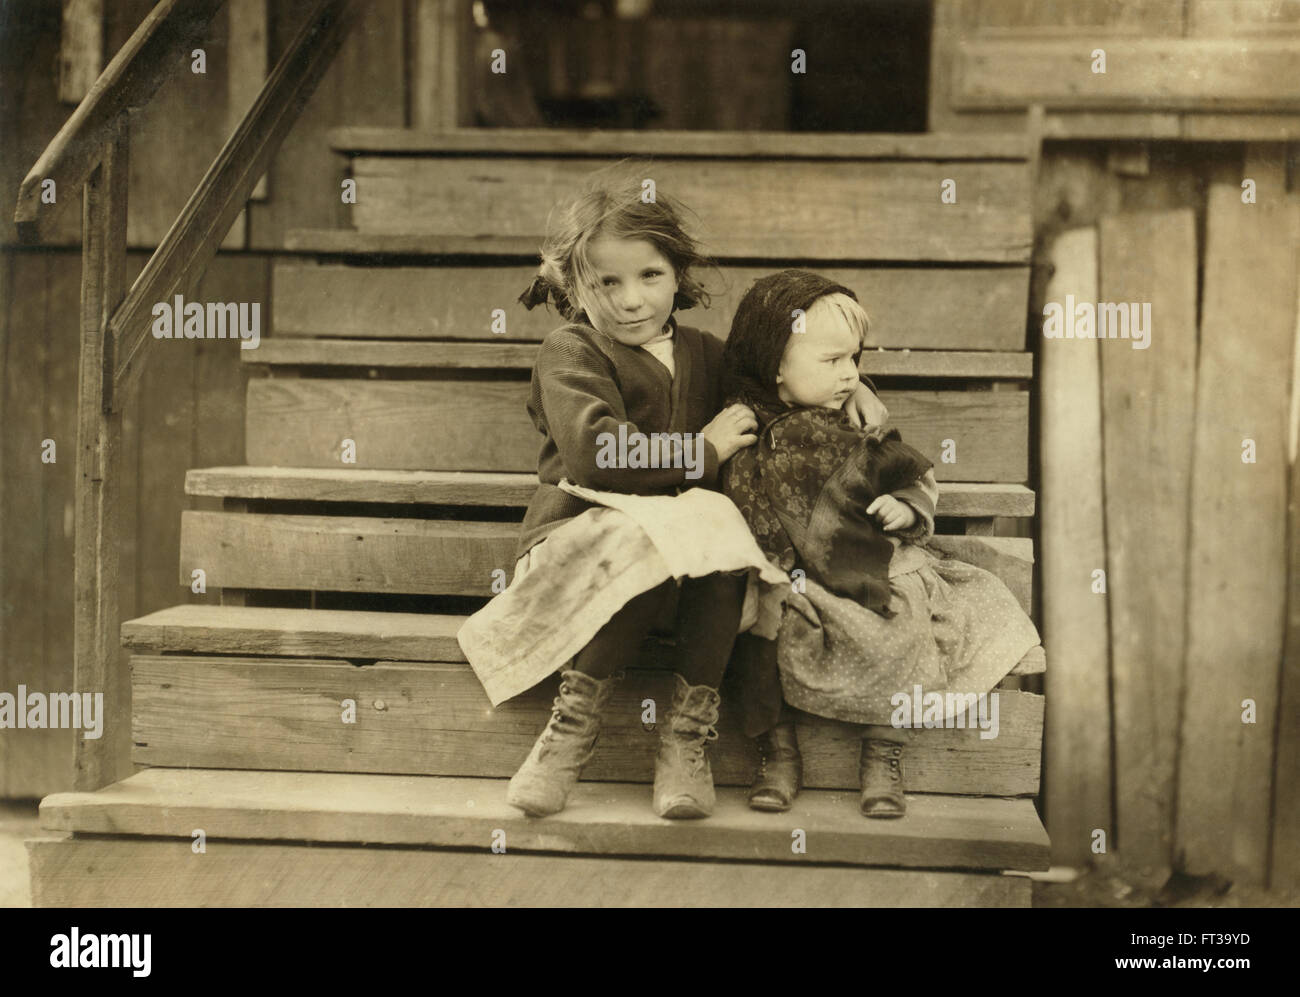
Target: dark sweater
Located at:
point(585, 384)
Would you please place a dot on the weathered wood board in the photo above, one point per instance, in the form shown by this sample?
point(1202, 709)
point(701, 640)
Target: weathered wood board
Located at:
point(432, 718)
point(810, 210)
point(446, 557)
point(601, 819)
point(463, 425)
point(1075, 626)
point(140, 872)
point(977, 308)
point(1148, 409)
point(1237, 561)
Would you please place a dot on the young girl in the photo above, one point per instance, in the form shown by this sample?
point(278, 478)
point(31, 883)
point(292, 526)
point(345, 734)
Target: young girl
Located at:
point(626, 403)
point(875, 614)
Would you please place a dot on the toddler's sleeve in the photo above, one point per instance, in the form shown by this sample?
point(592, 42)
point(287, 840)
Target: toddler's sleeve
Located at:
point(922, 495)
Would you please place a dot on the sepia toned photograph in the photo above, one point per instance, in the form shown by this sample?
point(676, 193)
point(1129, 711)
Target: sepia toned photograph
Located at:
point(650, 454)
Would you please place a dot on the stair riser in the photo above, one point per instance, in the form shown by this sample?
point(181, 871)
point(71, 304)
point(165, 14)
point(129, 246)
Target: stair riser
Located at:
point(434, 719)
point(95, 872)
point(810, 210)
point(460, 425)
point(921, 309)
point(361, 554)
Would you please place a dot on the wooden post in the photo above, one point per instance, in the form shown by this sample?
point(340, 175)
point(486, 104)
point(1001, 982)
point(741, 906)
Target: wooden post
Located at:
point(99, 431)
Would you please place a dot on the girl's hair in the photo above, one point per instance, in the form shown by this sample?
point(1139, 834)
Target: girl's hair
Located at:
point(611, 204)
point(763, 324)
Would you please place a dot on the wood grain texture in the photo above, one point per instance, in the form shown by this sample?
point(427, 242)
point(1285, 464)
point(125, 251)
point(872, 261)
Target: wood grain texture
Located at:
point(81, 48)
point(381, 353)
point(1149, 74)
point(826, 210)
point(1237, 565)
point(601, 819)
point(247, 63)
point(1284, 866)
point(193, 240)
point(977, 308)
point(34, 762)
point(136, 872)
point(448, 557)
point(1148, 409)
point(99, 436)
point(140, 67)
point(365, 83)
point(434, 719)
point(531, 143)
point(483, 426)
point(344, 553)
point(1075, 619)
point(358, 635)
point(498, 488)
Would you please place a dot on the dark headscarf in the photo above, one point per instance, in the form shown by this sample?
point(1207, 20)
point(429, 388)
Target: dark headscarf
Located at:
point(760, 330)
point(808, 462)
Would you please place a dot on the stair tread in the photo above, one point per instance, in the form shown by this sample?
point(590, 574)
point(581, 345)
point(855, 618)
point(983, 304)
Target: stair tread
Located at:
point(542, 142)
point(601, 818)
point(348, 633)
point(508, 488)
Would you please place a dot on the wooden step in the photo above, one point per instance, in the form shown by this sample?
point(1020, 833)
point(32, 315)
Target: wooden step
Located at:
point(607, 819)
point(375, 353)
point(923, 308)
point(435, 557)
point(154, 872)
point(843, 209)
point(1010, 146)
point(433, 718)
point(461, 425)
point(316, 633)
point(503, 488)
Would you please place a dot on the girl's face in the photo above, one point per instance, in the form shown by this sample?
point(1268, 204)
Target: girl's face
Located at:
point(818, 369)
point(635, 287)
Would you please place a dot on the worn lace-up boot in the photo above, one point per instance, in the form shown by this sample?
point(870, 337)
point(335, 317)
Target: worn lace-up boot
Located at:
point(880, 773)
point(683, 778)
point(549, 773)
point(780, 769)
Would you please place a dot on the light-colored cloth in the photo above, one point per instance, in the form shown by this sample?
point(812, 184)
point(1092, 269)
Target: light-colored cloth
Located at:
point(661, 348)
point(568, 586)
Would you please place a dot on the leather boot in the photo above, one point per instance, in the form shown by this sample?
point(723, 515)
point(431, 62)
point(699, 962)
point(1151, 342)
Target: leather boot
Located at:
point(683, 778)
point(880, 773)
point(780, 769)
point(549, 773)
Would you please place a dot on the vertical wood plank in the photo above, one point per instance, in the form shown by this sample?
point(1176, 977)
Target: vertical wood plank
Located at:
point(57, 602)
point(25, 768)
point(81, 48)
point(96, 638)
point(246, 66)
point(1078, 783)
point(364, 85)
point(1284, 866)
point(1237, 565)
point(1147, 410)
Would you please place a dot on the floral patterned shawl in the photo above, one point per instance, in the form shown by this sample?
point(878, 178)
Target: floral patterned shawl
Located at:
point(804, 488)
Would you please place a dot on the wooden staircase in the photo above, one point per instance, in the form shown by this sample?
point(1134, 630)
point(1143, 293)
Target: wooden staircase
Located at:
point(316, 726)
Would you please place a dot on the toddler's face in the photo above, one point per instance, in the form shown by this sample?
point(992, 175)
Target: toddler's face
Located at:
point(635, 286)
point(818, 369)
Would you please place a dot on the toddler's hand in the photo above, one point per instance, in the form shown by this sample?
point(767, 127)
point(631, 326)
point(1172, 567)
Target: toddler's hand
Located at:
point(892, 513)
point(864, 409)
point(730, 430)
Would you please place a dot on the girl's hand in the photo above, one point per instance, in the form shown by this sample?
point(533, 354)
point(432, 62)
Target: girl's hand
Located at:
point(892, 513)
point(864, 409)
point(730, 430)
